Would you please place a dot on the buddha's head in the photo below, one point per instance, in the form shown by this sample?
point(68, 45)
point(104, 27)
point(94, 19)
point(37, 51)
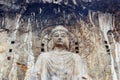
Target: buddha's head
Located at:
point(60, 37)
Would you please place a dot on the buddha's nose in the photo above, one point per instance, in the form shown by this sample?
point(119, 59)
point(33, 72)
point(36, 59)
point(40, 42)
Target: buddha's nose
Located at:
point(59, 38)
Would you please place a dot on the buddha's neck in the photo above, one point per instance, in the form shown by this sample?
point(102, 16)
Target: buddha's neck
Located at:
point(59, 48)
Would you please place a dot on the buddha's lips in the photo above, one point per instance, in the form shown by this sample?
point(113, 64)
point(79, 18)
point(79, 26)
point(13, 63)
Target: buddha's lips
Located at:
point(59, 41)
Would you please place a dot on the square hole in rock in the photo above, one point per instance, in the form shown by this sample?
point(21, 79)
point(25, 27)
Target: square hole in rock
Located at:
point(42, 50)
point(12, 42)
point(10, 50)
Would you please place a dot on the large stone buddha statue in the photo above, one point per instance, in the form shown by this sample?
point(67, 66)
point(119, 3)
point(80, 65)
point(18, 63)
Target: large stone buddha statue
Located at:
point(59, 63)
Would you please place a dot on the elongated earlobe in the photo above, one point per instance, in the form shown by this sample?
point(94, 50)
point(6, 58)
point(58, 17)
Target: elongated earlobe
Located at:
point(51, 44)
point(67, 43)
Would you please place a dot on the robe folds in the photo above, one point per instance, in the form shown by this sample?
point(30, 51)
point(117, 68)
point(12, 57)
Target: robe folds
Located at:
point(56, 65)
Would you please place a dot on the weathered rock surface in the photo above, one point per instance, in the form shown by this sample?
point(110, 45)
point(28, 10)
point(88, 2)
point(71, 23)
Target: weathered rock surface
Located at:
point(25, 26)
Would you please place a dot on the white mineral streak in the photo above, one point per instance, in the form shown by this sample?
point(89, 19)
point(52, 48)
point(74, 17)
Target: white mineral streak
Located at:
point(30, 62)
point(13, 72)
point(117, 56)
point(17, 26)
point(48, 1)
point(57, 1)
point(74, 1)
point(105, 24)
point(90, 17)
point(114, 75)
point(117, 51)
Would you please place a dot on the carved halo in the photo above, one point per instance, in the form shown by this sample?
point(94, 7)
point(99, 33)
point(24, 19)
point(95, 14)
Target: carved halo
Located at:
point(45, 36)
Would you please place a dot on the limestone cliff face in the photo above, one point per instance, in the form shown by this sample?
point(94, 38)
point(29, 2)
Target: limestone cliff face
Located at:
point(25, 26)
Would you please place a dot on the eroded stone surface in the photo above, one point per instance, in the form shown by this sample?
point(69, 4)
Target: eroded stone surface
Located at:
point(20, 49)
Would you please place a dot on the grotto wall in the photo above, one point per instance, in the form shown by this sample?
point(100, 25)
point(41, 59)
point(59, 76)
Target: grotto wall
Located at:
point(26, 24)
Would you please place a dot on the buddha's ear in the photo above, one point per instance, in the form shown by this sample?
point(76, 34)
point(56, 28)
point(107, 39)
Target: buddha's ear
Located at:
point(51, 44)
point(68, 43)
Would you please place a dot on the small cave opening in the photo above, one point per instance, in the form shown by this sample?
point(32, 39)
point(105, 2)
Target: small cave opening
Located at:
point(42, 50)
point(76, 43)
point(10, 50)
point(76, 48)
point(77, 51)
point(8, 58)
point(12, 42)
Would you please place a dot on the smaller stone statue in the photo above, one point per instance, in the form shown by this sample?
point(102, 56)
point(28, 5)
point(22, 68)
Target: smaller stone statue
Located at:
point(59, 63)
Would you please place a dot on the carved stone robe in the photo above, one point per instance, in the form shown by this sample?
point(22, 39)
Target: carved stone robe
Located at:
point(56, 65)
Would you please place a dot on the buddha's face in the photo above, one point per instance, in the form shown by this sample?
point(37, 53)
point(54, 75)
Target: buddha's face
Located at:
point(60, 38)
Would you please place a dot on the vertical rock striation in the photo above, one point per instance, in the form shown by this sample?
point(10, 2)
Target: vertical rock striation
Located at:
point(25, 26)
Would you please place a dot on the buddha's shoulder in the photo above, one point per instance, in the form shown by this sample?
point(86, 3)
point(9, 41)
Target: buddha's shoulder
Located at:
point(76, 56)
point(44, 54)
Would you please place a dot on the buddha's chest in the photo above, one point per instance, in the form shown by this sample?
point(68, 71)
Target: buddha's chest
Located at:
point(60, 65)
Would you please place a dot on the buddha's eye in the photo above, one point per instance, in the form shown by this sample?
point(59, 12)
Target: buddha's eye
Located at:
point(56, 35)
point(63, 35)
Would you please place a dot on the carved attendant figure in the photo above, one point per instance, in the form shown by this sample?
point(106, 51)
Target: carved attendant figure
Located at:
point(59, 64)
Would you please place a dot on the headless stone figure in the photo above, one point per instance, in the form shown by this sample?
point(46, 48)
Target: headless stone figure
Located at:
point(59, 63)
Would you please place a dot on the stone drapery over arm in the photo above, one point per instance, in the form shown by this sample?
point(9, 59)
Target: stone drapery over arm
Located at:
point(39, 68)
point(81, 68)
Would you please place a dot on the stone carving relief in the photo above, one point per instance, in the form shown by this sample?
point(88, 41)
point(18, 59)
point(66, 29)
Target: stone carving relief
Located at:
point(58, 63)
point(21, 44)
